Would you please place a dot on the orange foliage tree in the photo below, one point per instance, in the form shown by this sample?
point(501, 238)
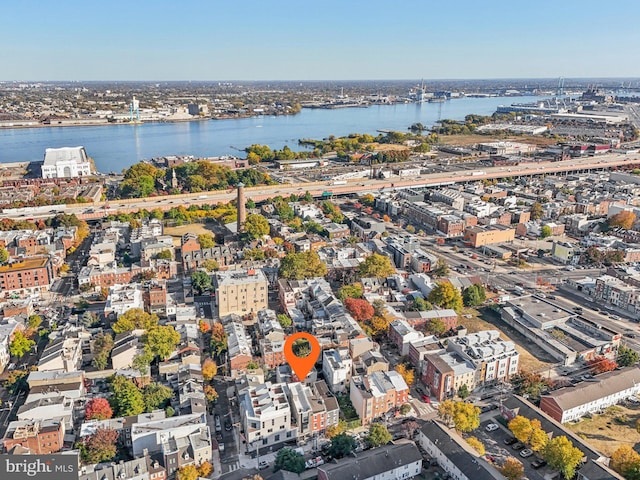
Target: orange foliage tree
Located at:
point(601, 365)
point(360, 309)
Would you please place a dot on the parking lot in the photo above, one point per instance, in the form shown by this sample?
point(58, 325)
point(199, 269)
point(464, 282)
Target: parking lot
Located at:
point(496, 448)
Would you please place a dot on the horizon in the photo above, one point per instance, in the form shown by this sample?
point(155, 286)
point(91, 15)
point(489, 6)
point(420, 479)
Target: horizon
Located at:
point(279, 40)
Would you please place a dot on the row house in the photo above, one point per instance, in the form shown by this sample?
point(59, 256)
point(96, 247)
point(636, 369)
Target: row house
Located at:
point(143, 468)
point(310, 412)
point(618, 293)
point(401, 334)
point(238, 344)
point(336, 368)
point(39, 437)
point(271, 341)
point(193, 255)
point(374, 396)
point(445, 373)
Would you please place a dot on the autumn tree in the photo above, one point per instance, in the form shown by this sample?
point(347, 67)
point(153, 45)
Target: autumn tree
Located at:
point(204, 326)
point(205, 469)
point(218, 338)
point(100, 446)
point(350, 291)
point(4, 255)
point(188, 472)
point(161, 341)
point(376, 266)
point(302, 265)
point(530, 384)
point(360, 309)
point(406, 373)
point(563, 456)
point(98, 408)
point(256, 226)
point(445, 295)
point(210, 394)
point(464, 416)
point(20, 344)
point(446, 411)
point(624, 219)
point(441, 269)
point(206, 240)
point(601, 365)
point(512, 469)
point(210, 265)
point(476, 444)
point(378, 435)
point(625, 460)
point(379, 325)
point(333, 430)
point(536, 211)
point(135, 319)
point(34, 322)
point(209, 369)
point(521, 428)
point(102, 346)
point(539, 438)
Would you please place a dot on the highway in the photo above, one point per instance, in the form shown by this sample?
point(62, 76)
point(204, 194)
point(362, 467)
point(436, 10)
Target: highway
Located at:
point(261, 193)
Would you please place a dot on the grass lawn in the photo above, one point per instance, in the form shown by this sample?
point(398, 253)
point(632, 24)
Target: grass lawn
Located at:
point(531, 359)
point(610, 430)
point(177, 232)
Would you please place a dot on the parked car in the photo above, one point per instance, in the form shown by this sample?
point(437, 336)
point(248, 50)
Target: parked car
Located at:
point(527, 452)
point(263, 464)
point(538, 463)
point(227, 425)
point(614, 317)
point(510, 440)
point(426, 398)
point(491, 427)
point(518, 446)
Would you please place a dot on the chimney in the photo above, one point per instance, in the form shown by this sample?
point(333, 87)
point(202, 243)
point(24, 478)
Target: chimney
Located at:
point(242, 211)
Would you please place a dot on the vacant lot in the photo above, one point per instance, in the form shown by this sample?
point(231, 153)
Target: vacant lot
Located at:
point(614, 428)
point(531, 357)
point(177, 232)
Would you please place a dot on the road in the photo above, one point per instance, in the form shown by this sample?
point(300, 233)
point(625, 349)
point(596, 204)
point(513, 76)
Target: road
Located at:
point(260, 193)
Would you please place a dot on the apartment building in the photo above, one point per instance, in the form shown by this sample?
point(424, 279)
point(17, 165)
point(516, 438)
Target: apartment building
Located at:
point(123, 298)
point(401, 334)
point(373, 396)
point(445, 373)
point(488, 235)
point(336, 368)
point(39, 436)
point(311, 412)
point(240, 292)
point(615, 291)
point(271, 341)
point(266, 415)
point(33, 274)
point(144, 468)
point(238, 343)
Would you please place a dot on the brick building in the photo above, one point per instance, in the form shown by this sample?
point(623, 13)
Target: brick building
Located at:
point(35, 273)
point(41, 437)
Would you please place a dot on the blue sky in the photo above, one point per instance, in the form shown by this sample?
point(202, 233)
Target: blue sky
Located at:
point(317, 40)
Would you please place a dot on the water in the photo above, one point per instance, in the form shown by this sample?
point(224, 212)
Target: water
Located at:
point(115, 147)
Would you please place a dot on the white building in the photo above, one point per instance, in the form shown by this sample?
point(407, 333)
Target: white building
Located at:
point(123, 298)
point(66, 162)
point(336, 367)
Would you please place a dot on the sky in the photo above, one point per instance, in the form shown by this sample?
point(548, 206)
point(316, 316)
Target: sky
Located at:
point(317, 39)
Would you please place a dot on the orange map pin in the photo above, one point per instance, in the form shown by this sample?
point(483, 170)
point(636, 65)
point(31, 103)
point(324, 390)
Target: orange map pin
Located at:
point(301, 366)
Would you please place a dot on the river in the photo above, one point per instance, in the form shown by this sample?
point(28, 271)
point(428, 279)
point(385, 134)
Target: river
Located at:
point(114, 147)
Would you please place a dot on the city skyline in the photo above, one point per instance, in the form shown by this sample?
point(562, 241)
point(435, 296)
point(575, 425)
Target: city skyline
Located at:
point(254, 41)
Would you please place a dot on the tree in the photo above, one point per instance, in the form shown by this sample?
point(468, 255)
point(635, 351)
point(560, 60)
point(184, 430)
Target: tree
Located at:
point(16, 381)
point(210, 265)
point(627, 356)
point(20, 344)
point(209, 369)
point(210, 394)
point(476, 444)
point(378, 435)
point(102, 346)
point(204, 326)
point(625, 460)
point(205, 469)
point(333, 430)
point(601, 365)
point(98, 409)
point(218, 338)
point(445, 295)
point(302, 265)
point(4, 255)
point(164, 255)
point(624, 219)
point(284, 320)
point(379, 325)
point(256, 226)
point(521, 428)
point(406, 373)
point(563, 456)
point(441, 269)
point(135, 319)
point(34, 322)
point(536, 211)
point(161, 341)
point(188, 472)
point(421, 305)
point(405, 408)
point(350, 291)
point(289, 460)
point(546, 231)
point(539, 438)
point(446, 411)
point(100, 446)
point(512, 469)
point(466, 417)
point(376, 266)
point(206, 240)
point(463, 391)
point(201, 281)
point(530, 384)
point(435, 326)
point(341, 445)
point(360, 309)
point(127, 399)
point(474, 295)
point(156, 396)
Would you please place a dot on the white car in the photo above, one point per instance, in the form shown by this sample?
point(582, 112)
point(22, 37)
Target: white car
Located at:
point(491, 427)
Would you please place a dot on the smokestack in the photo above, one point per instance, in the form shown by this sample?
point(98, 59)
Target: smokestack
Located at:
point(242, 211)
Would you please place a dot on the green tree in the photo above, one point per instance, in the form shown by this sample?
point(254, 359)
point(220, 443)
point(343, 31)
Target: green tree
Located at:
point(201, 281)
point(341, 445)
point(156, 396)
point(536, 211)
point(206, 240)
point(34, 322)
point(563, 456)
point(289, 460)
point(302, 265)
point(421, 305)
point(127, 399)
point(164, 255)
point(161, 341)
point(445, 295)
point(210, 265)
point(256, 226)
point(627, 356)
point(285, 320)
point(102, 346)
point(546, 231)
point(441, 269)
point(474, 295)
point(463, 391)
point(4, 255)
point(378, 435)
point(350, 291)
point(376, 266)
point(135, 319)
point(20, 344)
point(435, 326)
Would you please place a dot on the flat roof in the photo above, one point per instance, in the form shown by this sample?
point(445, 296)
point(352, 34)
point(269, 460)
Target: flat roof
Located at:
point(26, 264)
